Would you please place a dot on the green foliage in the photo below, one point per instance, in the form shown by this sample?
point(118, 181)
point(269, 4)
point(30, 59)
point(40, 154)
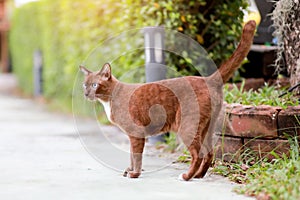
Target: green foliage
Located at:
point(24, 40)
point(171, 142)
point(172, 145)
point(278, 179)
point(185, 157)
point(216, 25)
point(67, 30)
point(267, 95)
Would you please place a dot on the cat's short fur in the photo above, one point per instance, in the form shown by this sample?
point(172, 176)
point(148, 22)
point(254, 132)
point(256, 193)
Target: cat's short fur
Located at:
point(187, 105)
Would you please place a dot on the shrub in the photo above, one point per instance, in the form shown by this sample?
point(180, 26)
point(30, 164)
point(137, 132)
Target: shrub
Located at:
point(24, 40)
point(66, 30)
point(216, 25)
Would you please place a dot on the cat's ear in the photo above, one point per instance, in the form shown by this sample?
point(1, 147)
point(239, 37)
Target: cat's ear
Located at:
point(105, 72)
point(84, 70)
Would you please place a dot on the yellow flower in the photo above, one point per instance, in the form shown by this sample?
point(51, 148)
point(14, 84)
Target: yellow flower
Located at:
point(200, 39)
point(183, 18)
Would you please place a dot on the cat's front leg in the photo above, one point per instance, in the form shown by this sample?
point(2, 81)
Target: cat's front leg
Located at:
point(136, 155)
point(128, 169)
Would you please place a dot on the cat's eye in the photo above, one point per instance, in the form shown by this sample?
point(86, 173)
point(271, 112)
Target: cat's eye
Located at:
point(95, 85)
point(84, 85)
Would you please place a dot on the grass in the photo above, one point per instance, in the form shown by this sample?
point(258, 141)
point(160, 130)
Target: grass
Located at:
point(172, 145)
point(267, 95)
point(278, 179)
point(235, 170)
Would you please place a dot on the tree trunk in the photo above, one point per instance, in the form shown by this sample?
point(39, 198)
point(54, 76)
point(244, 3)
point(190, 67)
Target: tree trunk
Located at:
point(291, 40)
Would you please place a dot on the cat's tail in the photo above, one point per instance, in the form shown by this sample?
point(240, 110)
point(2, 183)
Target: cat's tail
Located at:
point(227, 68)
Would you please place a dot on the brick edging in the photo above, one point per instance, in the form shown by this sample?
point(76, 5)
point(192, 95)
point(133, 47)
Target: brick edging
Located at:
point(260, 128)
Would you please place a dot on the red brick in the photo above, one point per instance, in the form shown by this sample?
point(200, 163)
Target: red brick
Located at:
point(253, 122)
point(262, 148)
point(228, 148)
point(289, 121)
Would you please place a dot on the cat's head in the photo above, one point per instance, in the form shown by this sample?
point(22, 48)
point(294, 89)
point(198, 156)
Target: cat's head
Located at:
point(97, 85)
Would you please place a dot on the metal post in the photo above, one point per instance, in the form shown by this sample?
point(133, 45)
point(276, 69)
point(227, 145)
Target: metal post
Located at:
point(37, 73)
point(155, 62)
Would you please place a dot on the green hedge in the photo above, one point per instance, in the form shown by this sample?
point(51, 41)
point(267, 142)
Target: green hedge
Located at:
point(66, 30)
point(24, 40)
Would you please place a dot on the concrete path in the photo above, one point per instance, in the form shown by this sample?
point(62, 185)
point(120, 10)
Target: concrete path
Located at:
point(42, 157)
point(8, 83)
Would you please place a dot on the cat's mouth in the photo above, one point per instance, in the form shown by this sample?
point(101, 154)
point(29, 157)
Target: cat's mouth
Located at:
point(95, 97)
point(91, 99)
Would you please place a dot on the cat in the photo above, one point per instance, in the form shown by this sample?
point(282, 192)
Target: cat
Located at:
point(187, 105)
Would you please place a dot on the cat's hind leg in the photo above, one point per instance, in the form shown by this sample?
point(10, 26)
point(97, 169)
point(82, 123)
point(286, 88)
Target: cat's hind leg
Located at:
point(205, 164)
point(195, 163)
point(206, 153)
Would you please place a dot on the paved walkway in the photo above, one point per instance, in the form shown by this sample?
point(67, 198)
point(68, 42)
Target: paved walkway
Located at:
point(8, 83)
point(42, 157)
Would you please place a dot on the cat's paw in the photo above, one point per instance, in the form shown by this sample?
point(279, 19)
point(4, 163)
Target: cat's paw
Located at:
point(182, 177)
point(126, 171)
point(130, 173)
point(133, 174)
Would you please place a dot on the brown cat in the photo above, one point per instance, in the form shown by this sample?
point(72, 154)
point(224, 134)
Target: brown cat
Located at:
point(187, 105)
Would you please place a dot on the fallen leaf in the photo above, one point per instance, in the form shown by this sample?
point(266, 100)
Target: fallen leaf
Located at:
point(245, 167)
